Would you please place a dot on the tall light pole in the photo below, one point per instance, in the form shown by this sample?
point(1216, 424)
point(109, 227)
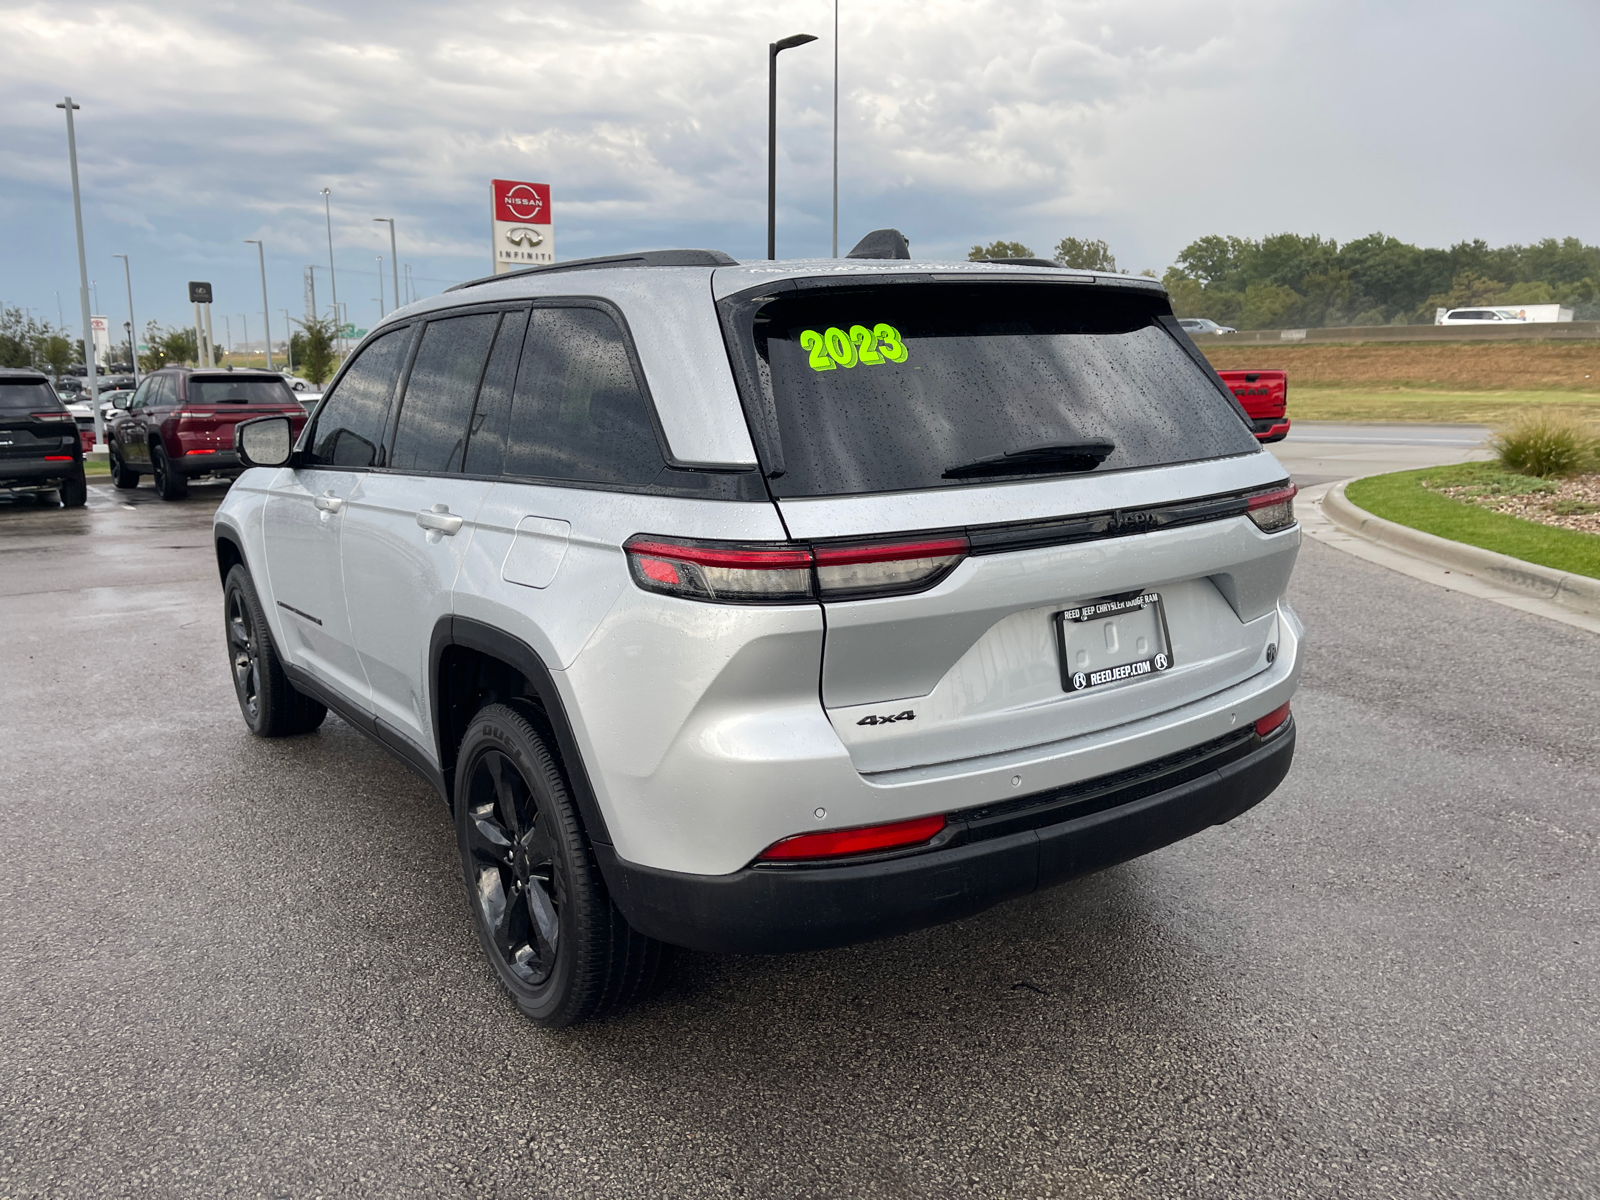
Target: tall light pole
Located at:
point(311, 271)
point(773, 50)
point(244, 323)
point(333, 279)
point(394, 260)
point(133, 338)
point(288, 338)
point(836, 128)
point(91, 368)
point(227, 331)
point(266, 315)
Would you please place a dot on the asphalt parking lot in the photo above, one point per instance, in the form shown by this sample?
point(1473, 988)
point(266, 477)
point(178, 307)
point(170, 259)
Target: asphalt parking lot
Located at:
point(233, 967)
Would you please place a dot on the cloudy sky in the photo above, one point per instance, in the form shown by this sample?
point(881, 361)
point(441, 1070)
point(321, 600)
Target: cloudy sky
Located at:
point(1147, 124)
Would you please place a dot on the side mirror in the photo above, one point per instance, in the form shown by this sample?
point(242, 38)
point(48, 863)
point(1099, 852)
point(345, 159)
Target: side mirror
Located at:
point(264, 442)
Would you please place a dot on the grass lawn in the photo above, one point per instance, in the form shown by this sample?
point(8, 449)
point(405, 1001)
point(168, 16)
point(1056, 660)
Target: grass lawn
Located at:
point(1308, 403)
point(1403, 498)
point(94, 468)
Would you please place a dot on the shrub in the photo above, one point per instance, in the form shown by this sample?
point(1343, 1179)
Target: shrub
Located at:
point(1546, 445)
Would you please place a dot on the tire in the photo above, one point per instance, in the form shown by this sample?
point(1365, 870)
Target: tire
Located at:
point(555, 941)
point(169, 484)
point(74, 491)
point(268, 701)
point(121, 476)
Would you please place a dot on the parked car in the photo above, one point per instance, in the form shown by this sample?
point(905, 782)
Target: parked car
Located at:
point(40, 449)
point(179, 424)
point(1481, 316)
point(296, 384)
point(83, 415)
point(1265, 396)
point(773, 607)
point(1195, 325)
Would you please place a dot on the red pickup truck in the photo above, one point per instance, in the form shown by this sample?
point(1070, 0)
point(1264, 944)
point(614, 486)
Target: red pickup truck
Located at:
point(1265, 396)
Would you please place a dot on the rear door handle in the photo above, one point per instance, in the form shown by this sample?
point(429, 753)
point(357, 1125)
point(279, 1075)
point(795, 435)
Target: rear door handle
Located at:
point(439, 519)
point(329, 504)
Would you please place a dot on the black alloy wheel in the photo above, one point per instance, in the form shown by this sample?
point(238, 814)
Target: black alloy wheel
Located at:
point(553, 938)
point(121, 477)
point(518, 873)
point(269, 703)
point(170, 485)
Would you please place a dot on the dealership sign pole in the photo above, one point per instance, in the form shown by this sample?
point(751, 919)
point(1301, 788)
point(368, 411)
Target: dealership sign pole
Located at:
point(521, 225)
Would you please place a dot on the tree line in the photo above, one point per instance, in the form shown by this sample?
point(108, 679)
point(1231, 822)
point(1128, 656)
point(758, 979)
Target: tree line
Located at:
point(26, 341)
point(1291, 280)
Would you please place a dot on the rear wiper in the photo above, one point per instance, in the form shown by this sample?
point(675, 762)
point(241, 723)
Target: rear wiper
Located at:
point(1062, 457)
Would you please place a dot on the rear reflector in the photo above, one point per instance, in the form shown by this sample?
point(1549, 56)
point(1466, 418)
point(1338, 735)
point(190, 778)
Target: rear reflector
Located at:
point(1272, 720)
point(783, 573)
point(836, 843)
point(1274, 510)
point(58, 458)
point(204, 450)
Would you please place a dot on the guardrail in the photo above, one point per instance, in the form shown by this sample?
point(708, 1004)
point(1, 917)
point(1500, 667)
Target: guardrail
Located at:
point(1564, 331)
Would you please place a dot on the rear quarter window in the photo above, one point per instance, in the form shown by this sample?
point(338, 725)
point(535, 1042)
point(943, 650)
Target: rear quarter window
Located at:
point(888, 388)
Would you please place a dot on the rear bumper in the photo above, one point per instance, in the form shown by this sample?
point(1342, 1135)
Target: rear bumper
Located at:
point(35, 472)
point(983, 857)
point(1270, 429)
point(204, 464)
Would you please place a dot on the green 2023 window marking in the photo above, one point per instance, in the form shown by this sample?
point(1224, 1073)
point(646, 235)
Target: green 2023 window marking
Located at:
point(834, 347)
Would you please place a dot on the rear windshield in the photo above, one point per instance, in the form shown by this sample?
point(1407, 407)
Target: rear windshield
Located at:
point(239, 391)
point(27, 395)
point(888, 388)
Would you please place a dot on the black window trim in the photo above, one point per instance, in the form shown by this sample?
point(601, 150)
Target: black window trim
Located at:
point(742, 484)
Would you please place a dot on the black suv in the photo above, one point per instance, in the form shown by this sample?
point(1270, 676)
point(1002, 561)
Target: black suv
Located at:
point(39, 445)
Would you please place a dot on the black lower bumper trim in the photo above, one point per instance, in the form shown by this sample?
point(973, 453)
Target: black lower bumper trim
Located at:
point(761, 911)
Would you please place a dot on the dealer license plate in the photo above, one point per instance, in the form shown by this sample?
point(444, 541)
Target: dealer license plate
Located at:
point(1116, 639)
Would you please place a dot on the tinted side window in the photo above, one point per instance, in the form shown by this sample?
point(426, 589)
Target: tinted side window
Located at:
point(578, 412)
point(432, 431)
point(350, 425)
point(486, 448)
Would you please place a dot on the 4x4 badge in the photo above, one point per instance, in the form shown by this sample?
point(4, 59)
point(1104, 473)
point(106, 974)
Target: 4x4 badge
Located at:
point(908, 715)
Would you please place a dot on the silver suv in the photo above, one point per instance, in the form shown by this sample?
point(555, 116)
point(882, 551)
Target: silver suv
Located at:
point(774, 606)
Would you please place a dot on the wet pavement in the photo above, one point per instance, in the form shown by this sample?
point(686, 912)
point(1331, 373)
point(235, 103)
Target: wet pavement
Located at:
point(236, 967)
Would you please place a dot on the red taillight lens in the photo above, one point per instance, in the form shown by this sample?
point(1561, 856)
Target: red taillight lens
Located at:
point(725, 571)
point(1274, 510)
point(51, 416)
point(836, 843)
point(886, 567)
point(58, 458)
point(768, 573)
point(202, 450)
point(1272, 720)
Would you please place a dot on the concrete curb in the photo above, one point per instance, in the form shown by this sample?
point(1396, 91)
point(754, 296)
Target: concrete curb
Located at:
point(1576, 592)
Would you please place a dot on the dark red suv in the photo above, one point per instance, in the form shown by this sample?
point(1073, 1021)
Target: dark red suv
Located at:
point(179, 424)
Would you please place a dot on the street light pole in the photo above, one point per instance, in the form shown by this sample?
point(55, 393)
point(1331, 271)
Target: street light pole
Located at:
point(773, 50)
point(394, 260)
point(266, 315)
point(91, 368)
point(333, 279)
point(836, 128)
point(133, 321)
point(288, 339)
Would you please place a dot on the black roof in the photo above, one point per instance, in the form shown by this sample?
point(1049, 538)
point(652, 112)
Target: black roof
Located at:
point(642, 258)
point(27, 373)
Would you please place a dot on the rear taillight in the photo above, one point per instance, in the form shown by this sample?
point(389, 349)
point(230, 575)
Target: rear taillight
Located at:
point(51, 416)
point(783, 573)
point(1272, 720)
point(732, 572)
point(837, 843)
point(1272, 510)
point(887, 567)
point(58, 458)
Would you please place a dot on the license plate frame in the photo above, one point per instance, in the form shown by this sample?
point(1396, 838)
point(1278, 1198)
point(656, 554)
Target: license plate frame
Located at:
point(1090, 666)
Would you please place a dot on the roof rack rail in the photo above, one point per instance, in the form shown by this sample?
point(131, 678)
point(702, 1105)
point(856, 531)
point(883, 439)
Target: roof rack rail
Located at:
point(643, 258)
point(1023, 262)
